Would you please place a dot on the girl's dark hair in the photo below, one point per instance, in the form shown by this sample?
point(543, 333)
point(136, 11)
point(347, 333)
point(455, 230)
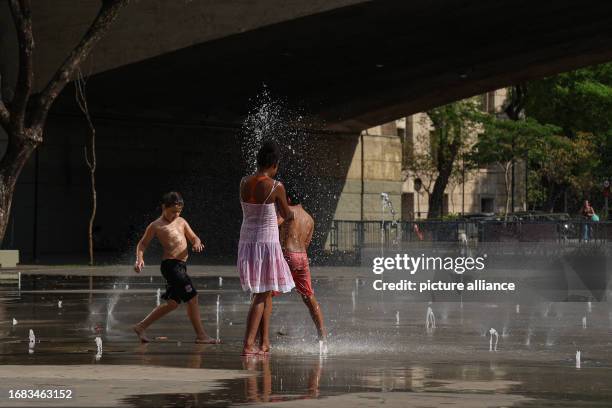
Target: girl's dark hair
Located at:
point(268, 155)
point(171, 199)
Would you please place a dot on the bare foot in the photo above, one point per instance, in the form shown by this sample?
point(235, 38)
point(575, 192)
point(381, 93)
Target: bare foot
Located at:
point(265, 348)
point(207, 340)
point(251, 351)
point(141, 334)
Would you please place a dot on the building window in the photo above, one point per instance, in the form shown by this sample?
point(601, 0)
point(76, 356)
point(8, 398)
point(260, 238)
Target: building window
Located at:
point(487, 205)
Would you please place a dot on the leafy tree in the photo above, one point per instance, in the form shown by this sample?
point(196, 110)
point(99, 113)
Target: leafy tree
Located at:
point(580, 103)
point(453, 126)
point(502, 142)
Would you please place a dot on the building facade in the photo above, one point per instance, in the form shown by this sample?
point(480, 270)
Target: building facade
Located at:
point(381, 164)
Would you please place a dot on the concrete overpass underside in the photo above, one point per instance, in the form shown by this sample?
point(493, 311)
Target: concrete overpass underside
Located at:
point(365, 64)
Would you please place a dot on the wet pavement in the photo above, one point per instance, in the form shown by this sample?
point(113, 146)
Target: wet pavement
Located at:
point(379, 348)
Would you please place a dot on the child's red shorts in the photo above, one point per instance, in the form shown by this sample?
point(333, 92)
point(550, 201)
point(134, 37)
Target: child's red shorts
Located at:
point(300, 270)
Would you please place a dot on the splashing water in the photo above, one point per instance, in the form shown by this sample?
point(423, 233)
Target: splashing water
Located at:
point(529, 334)
point(589, 306)
point(220, 281)
point(158, 297)
point(549, 339)
point(110, 319)
point(322, 347)
point(584, 322)
point(578, 359)
point(518, 309)
point(59, 304)
point(547, 310)
point(31, 341)
point(271, 118)
point(397, 318)
point(14, 321)
point(430, 319)
point(218, 307)
point(99, 348)
point(493, 332)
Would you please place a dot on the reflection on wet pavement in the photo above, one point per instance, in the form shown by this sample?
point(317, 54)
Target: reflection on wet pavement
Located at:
point(379, 348)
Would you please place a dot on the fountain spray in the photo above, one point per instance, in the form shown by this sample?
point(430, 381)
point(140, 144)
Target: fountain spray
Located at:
point(493, 332)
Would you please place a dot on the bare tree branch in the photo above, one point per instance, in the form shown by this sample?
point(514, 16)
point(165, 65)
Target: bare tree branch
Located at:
point(107, 14)
point(81, 98)
point(22, 16)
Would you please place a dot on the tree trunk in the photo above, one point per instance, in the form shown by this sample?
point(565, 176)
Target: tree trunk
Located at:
point(81, 99)
point(436, 198)
point(507, 183)
point(94, 204)
point(445, 169)
point(17, 153)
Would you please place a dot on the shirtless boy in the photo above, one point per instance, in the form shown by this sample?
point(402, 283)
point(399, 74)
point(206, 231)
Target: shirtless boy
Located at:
point(172, 231)
point(295, 238)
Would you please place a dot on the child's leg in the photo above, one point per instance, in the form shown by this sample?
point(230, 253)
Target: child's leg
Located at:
point(253, 320)
point(156, 314)
point(193, 311)
point(264, 326)
point(259, 337)
point(316, 314)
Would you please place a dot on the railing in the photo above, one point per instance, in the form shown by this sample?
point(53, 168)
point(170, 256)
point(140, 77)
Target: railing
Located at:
point(346, 239)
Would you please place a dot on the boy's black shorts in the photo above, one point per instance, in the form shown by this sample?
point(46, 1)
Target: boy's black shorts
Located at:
point(178, 284)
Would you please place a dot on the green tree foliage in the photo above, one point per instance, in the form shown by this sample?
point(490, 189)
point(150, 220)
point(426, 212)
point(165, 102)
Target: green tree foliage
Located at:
point(452, 126)
point(580, 103)
point(503, 142)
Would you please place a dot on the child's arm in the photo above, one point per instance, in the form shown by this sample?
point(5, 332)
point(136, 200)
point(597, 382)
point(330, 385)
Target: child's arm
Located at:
point(279, 219)
point(142, 245)
point(282, 233)
point(281, 201)
point(197, 245)
point(307, 243)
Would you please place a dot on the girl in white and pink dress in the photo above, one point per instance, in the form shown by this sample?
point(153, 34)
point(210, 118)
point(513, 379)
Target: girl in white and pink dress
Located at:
point(263, 269)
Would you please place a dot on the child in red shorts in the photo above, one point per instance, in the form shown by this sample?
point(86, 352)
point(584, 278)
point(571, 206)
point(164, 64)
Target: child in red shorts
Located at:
point(295, 238)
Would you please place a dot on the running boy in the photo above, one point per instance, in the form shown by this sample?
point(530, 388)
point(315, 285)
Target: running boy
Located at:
point(295, 238)
point(172, 231)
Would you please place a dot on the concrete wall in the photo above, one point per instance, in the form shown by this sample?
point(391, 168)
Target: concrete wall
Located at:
point(137, 163)
point(380, 171)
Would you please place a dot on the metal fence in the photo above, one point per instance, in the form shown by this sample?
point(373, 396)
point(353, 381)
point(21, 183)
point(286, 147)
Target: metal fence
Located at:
point(346, 239)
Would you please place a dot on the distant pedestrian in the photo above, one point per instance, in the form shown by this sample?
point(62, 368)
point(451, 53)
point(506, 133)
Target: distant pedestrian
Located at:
point(588, 214)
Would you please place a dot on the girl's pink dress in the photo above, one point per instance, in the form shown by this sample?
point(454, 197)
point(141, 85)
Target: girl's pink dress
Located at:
point(261, 263)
